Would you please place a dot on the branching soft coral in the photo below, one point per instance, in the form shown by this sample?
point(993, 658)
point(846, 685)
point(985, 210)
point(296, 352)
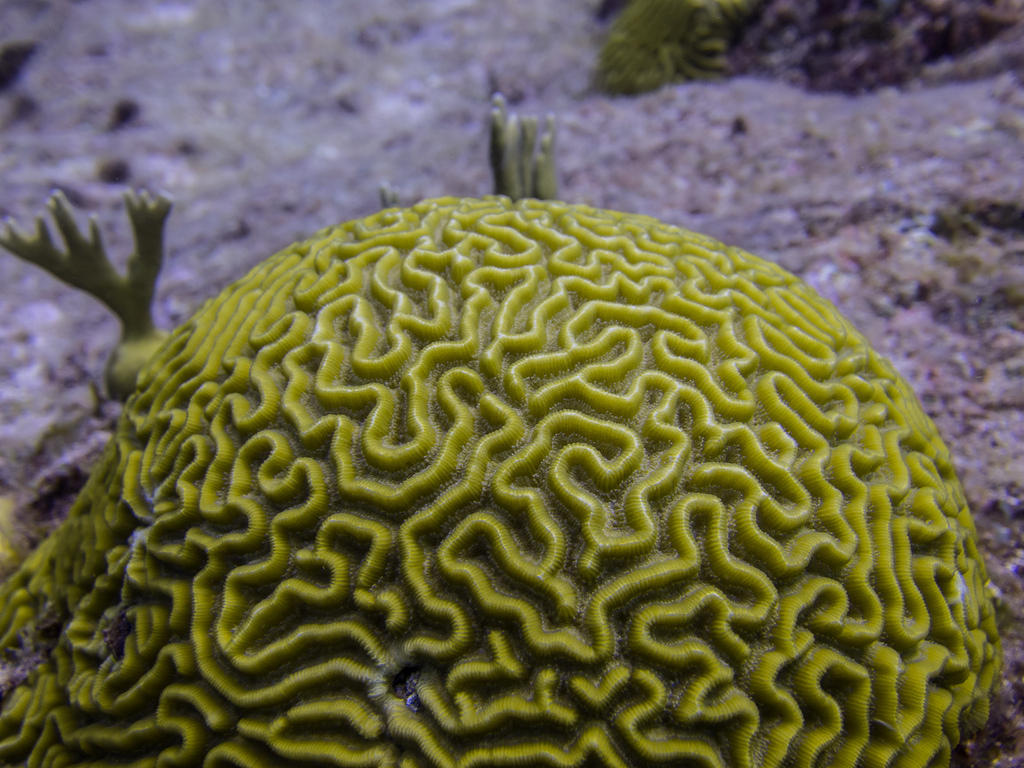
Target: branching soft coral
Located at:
point(84, 264)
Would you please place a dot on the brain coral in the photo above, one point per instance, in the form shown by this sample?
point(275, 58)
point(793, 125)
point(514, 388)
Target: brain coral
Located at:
point(655, 42)
point(483, 483)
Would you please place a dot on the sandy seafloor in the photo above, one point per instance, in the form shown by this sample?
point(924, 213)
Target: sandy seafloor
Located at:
point(265, 121)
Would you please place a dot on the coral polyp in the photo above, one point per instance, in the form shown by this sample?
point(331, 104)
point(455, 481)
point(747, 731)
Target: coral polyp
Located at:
point(483, 483)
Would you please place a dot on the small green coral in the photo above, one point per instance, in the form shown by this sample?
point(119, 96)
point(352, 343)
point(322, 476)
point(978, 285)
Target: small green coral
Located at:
point(84, 265)
point(485, 483)
point(521, 165)
point(656, 42)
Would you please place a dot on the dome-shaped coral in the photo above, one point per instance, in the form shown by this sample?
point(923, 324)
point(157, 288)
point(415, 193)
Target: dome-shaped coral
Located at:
point(656, 42)
point(482, 483)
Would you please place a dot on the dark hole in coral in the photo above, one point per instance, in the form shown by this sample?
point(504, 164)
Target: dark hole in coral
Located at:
point(116, 634)
point(404, 684)
point(48, 628)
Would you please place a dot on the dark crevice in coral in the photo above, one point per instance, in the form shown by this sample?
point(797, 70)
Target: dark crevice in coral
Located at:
point(404, 685)
point(117, 633)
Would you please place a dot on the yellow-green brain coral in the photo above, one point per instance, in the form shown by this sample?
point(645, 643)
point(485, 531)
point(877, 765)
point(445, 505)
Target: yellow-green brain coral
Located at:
point(656, 42)
point(483, 483)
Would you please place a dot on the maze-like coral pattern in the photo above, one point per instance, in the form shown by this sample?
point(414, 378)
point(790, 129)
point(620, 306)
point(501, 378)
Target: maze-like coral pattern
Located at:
point(656, 42)
point(482, 483)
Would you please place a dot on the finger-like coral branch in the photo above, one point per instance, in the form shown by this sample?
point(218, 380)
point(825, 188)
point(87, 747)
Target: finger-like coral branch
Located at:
point(522, 167)
point(83, 263)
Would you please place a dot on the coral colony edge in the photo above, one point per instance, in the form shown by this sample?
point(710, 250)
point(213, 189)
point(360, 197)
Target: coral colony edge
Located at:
point(485, 482)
